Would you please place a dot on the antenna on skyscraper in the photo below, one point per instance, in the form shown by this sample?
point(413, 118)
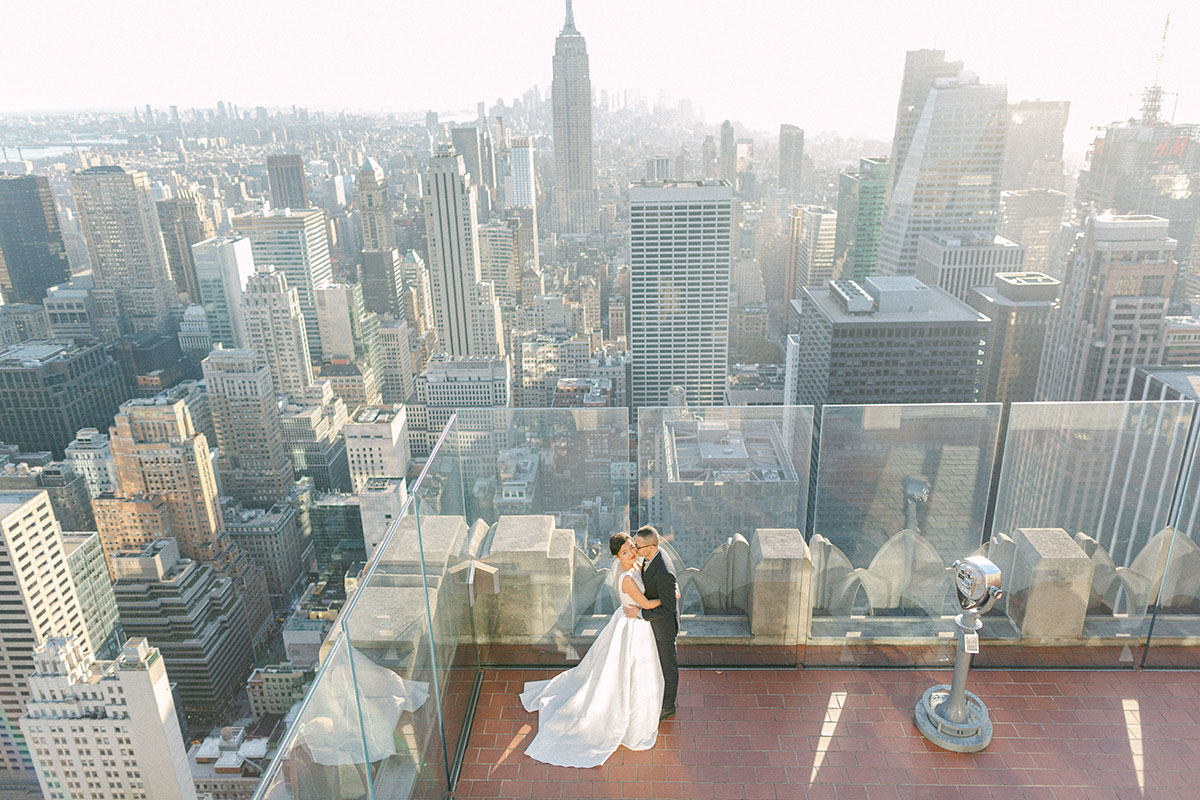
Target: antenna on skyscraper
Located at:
point(569, 24)
point(1153, 95)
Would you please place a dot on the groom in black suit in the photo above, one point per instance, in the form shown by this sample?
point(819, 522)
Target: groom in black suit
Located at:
point(658, 574)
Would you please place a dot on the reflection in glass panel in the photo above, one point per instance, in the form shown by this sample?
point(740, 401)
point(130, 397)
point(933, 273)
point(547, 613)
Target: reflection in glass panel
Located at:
point(1081, 523)
point(572, 463)
point(323, 755)
point(1106, 470)
point(708, 474)
point(921, 468)
point(901, 493)
point(543, 489)
point(1176, 622)
point(407, 623)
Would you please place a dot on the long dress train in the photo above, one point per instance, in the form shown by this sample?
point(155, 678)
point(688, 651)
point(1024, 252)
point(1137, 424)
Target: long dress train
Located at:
point(612, 697)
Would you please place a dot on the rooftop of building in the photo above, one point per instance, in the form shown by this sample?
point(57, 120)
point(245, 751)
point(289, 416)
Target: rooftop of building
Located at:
point(1184, 378)
point(378, 484)
point(341, 369)
point(228, 753)
point(890, 301)
point(11, 501)
point(73, 540)
point(1145, 228)
point(239, 516)
point(977, 239)
point(335, 499)
point(36, 352)
point(749, 451)
point(377, 414)
point(1021, 289)
point(1185, 321)
point(714, 189)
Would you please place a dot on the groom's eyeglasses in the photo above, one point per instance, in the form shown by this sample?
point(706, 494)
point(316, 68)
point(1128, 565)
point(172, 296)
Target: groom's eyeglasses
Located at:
point(641, 547)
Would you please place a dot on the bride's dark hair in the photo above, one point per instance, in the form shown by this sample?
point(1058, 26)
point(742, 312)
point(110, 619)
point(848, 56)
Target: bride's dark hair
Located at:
point(617, 541)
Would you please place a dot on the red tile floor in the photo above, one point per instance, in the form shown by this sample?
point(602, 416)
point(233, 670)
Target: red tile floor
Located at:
point(843, 734)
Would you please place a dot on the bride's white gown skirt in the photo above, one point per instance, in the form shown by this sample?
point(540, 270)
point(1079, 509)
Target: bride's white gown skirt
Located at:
point(612, 698)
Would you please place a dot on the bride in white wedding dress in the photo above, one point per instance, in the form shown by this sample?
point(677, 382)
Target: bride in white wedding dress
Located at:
point(614, 695)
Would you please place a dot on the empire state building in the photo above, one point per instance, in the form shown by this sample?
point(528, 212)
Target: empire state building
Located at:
point(571, 95)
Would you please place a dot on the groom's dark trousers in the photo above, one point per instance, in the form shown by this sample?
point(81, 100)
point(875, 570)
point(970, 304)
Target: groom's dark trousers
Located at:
point(659, 578)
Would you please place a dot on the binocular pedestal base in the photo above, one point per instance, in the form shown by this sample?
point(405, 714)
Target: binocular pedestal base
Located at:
point(969, 736)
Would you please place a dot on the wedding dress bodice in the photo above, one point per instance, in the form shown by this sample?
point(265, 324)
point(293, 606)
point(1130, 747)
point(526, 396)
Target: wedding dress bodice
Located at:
point(625, 599)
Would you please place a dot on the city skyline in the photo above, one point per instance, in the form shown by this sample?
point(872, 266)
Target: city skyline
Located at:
point(1020, 44)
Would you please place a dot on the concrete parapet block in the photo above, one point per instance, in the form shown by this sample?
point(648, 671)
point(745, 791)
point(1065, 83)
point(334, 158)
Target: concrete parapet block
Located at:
point(780, 605)
point(536, 566)
point(1049, 585)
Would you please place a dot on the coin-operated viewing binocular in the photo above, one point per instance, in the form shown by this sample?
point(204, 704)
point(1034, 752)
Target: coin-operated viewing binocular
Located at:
point(950, 716)
point(977, 581)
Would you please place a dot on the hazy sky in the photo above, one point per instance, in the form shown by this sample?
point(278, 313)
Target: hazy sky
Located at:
point(828, 65)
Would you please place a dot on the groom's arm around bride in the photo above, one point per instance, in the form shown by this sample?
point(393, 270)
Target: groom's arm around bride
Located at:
point(659, 577)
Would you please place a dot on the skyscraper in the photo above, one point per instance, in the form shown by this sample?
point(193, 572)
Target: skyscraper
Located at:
point(862, 201)
point(382, 281)
point(251, 457)
point(1145, 166)
point(1019, 306)
point(116, 706)
point(34, 574)
point(194, 616)
point(465, 314)
point(158, 452)
point(50, 389)
point(727, 156)
point(289, 185)
point(223, 265)
point(1033, 154)
point(520, 187)
point(922, 69)
point(1034, 217)
point(811, 255)
point(312, 432)
point(275, 330)
point(32, 254)
point(348, 329)
point(948, 180)
point(375, 208)
point(960, 263)
point(469, 144)
point(376, 443)
point(90, 456)
point(296, 244)
point(93, 586)
point(924, 345)
point(571, 99)
point(498, 260)
point(184, 222)
point(791, 158)
point(681, 255)
point(1112, 317)
point(396, 375)
point(134, 290)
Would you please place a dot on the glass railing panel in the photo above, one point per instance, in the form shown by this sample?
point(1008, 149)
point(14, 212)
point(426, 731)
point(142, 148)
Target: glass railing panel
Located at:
point(728, 490)
point(901, 492)
point(324, 753)
point(1082, 530)
point(1174, 629)
point(405, 620)
point(444, 535)
point(543, 490)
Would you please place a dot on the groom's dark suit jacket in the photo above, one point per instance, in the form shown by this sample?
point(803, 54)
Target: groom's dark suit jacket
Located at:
point(659, 577)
